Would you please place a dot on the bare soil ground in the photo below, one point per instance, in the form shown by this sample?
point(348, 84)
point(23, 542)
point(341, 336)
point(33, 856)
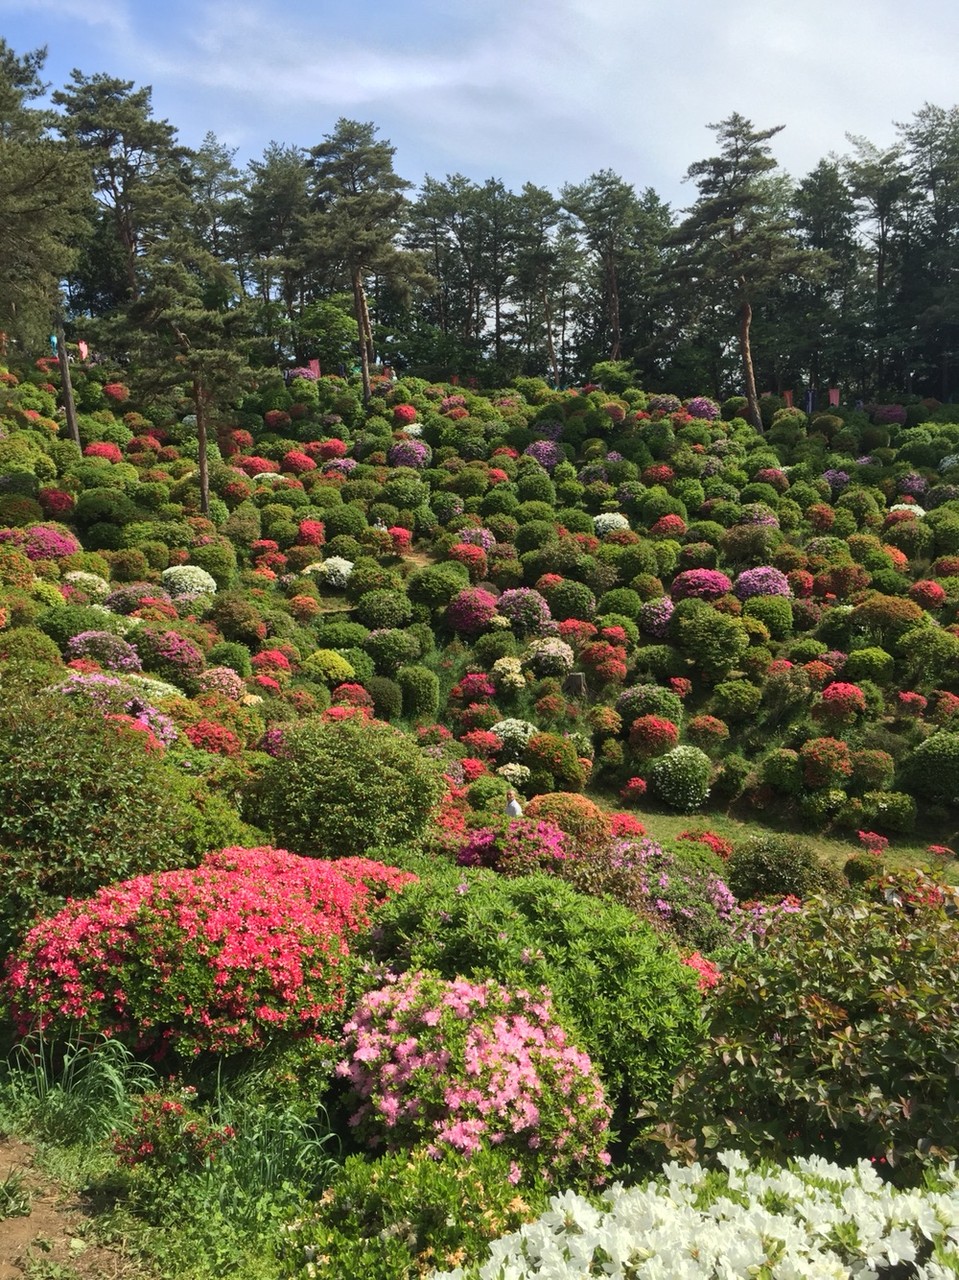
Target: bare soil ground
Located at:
point(53, 1240)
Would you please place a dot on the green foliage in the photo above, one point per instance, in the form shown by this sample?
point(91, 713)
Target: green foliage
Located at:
point(85, 803)
point(78, 1092)
point(404, 1214)
point(617, 987)
point(932, 769)
point(342, 788)
point(838, 1036)
point(775, 612)
point(421, 692)
point(775, 866)
point(715, 642)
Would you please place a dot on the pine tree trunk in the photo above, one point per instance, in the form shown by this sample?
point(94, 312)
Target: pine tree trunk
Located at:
point(66, 387)
point(200, 407)
point(749, 376)
point(362, 321)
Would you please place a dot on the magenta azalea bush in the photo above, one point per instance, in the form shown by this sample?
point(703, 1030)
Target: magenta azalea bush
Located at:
point(700, 584)
point(219, 958)
point(516, 847)
point(461, 1064)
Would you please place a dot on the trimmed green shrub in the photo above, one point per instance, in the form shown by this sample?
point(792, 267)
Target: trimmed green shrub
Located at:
point(340, 788)
point(618, 988)
point(86, 801)
point(421, 692)
point(774, 866)
point(932, 769)
point(774, 612)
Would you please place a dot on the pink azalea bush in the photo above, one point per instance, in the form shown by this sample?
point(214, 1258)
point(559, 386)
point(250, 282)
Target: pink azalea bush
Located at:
point(459, 1064)
point(516, 847)
point(218, 958)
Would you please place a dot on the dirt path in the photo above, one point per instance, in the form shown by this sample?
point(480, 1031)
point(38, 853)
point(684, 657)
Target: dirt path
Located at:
point(52, 1239)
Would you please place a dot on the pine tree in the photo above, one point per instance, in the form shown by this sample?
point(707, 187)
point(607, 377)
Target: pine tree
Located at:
point(736, 242)
point(358, 207)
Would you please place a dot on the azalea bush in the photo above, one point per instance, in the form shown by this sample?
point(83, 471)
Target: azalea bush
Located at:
point(251, 944)
point(807, 1217)
point(343, 787)
point(87, 799)
point(460, 1064)
point(837, 1036)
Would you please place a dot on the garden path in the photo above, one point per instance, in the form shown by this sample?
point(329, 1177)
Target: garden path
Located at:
point(51, 1240)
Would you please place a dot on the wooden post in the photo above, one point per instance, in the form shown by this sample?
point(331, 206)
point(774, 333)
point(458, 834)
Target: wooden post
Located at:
point(66, 386)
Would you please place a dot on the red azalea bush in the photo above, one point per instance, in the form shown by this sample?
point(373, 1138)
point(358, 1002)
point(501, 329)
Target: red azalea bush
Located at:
point(653, 735)
point(206, 735)
point(103, 449)
point(169, 1136)
point(218, 958)
point(633, 791)
point(825, 762)
point(841, 701)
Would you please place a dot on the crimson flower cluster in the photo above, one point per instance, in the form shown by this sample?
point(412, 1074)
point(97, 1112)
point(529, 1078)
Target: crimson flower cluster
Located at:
point(221, 957)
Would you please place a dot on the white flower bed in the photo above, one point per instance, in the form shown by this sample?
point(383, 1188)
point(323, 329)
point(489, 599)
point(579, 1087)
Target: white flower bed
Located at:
point(813, 1219)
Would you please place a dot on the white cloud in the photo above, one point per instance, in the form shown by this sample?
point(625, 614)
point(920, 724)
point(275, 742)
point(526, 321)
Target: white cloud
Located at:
point(540, 90)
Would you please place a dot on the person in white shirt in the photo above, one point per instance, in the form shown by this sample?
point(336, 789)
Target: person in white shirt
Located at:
point(513, 807)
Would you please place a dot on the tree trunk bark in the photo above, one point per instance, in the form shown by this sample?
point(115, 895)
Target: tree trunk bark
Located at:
point(362, 321)
point(749, 376)
point(199, 404)
point(67, 387)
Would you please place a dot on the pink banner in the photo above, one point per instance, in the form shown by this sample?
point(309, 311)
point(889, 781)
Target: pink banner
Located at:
point(788, 398)
point(314, 367)
point(833, 397)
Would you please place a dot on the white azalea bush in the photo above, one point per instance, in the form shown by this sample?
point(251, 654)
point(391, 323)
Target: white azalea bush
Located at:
point(334, 572)
point(809, 1219)
point(188, 580)
point(514, 735)
point(609, 522)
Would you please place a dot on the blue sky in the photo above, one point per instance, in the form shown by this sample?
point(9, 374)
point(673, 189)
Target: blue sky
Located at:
point(546, 91)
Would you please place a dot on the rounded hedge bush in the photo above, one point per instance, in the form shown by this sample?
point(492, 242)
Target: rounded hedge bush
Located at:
point(340, 788)
point(618, 987)
point(775, 866)
point(681, 778)
point(250, 944)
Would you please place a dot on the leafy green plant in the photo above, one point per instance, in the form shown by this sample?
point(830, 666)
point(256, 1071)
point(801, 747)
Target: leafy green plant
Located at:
point(405, 1214)
point(618, 987)
point(343, 787)
point(838, 1036)
point(774, 866)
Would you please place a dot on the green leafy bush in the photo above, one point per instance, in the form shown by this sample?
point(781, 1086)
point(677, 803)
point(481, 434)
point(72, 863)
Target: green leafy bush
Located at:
point(774, 866)
point(404, 1214)
point(932, 769)
point(85, 802)
point(618, 987)
point(343, 787)
point(836, 1037)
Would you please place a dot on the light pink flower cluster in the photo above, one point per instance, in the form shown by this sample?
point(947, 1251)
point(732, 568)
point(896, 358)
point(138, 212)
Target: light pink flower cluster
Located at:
point(460, 1064)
